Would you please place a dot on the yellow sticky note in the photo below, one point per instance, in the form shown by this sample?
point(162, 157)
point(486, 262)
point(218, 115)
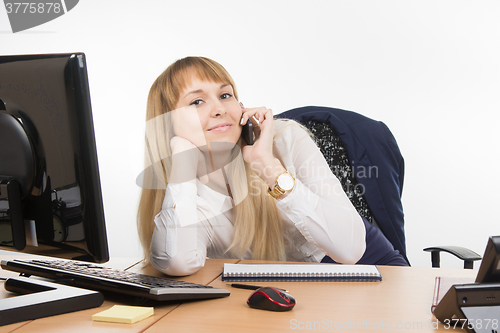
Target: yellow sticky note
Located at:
point(124, 314)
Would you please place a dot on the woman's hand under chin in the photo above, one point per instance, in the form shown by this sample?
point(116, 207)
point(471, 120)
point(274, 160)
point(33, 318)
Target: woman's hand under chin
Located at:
point(187, 124)
point(188, 162)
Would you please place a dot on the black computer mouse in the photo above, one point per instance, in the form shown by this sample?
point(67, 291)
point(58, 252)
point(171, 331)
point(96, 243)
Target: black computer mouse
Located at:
point(269, 298)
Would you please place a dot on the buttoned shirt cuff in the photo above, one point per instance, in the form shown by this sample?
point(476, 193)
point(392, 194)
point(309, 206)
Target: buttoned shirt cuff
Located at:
point(298, 204)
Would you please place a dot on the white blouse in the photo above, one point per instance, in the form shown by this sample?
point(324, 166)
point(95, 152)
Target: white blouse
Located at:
point(318, 218)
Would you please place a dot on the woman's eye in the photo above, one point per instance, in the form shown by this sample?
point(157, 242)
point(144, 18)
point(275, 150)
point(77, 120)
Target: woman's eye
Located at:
point(226, 96)
point(196, 102)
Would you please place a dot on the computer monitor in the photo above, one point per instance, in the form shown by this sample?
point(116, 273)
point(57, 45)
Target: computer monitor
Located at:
point(489, 271)
point(50, 192)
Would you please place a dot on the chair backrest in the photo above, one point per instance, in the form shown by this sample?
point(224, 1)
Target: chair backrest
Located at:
point(366, 159)
point(333, 150)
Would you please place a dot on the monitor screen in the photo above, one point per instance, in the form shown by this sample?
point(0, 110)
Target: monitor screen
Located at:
point(489, 271)
point(50, 193)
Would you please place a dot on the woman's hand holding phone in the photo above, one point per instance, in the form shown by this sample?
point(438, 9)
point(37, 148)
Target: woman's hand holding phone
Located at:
point(260, 155)
point(250, 121)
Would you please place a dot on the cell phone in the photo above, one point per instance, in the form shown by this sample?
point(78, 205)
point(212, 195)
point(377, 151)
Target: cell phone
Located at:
point(247, 132)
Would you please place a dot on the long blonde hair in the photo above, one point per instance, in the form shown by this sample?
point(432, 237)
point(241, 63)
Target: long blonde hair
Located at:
point(258, 224)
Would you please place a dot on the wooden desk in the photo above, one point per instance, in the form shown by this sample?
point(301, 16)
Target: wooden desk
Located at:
point(401, 302)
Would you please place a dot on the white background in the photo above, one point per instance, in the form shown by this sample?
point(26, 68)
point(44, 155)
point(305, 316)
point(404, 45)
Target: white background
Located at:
point(428, 69)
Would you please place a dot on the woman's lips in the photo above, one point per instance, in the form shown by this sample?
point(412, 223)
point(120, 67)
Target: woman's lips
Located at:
point(220, 128)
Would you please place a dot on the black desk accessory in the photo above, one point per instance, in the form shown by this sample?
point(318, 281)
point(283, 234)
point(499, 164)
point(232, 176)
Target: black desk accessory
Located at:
point(41, 299)
point(100, 278)
point(475, 306)
point(249, 286)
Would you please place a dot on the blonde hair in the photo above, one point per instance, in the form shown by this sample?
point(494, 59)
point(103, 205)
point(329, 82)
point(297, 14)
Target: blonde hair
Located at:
point(258, 224)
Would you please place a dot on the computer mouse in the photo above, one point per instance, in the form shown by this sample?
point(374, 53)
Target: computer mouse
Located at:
point(272, 299)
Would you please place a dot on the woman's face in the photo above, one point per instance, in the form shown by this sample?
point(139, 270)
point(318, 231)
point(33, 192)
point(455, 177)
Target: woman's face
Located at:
point(210, 108)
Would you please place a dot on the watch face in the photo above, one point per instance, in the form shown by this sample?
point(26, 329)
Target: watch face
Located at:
point(286, 182)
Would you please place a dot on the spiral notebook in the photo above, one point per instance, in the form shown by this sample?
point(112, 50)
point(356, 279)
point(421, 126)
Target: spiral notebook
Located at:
point(293, 272)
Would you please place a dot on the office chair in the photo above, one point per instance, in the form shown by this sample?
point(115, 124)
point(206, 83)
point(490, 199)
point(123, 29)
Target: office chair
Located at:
point(468, 256)
point(365, 157)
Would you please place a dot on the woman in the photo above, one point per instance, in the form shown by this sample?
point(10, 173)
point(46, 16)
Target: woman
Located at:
point(274, 200)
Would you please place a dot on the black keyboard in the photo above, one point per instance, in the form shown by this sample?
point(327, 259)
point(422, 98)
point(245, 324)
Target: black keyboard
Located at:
point(100, 278)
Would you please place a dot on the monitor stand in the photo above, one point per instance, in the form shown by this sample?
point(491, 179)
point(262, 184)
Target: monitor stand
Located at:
point(42, 299)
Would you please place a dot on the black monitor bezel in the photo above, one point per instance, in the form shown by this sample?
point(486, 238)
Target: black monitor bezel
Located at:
point(489, 271)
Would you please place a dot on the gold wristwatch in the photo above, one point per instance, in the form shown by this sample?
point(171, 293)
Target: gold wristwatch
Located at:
point(284, 183)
